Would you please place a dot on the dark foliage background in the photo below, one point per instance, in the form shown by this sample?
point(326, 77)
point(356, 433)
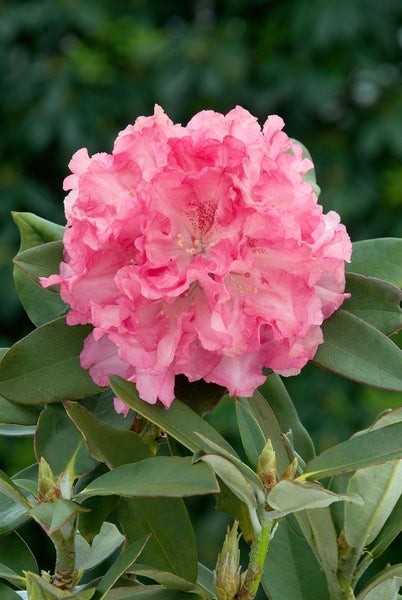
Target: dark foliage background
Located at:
point(75, 72)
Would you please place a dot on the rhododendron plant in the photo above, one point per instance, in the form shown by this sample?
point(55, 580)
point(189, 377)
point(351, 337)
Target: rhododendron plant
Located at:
point(197, 266)
point(199, 250)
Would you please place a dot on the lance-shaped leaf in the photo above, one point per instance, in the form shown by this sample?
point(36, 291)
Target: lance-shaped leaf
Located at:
point(278, 398)
point(381, 258)
point(380, 486)
point(180, 421)
point(292, 496)
point(16, 556)
point(108, 444)
point(148, 592)
point(6, 593)
point(252, 436)
point(35, 230)
point(389, 532)
point(53, 515)
point(89, 556)
point(12, 515)
point(348, 350)
point(41, 304)
point(370, 448)
point(233, 478)
point(11, 576)
point(268, 422)
point(127, 557)
point(291, 570)
point(375, 301)
point(39, 588)
point(8, 487)
point(384, 586)
point(157, 476)
point(169, 580)
point(44, 366)
point(55, 431)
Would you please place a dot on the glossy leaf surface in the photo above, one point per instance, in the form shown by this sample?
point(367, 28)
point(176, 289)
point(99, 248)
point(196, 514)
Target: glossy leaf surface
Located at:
point(381, 257)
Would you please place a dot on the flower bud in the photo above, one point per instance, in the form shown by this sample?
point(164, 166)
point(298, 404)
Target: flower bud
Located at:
point(227, 578)
point(266, 468)
point(47, 487)
point(291, 470)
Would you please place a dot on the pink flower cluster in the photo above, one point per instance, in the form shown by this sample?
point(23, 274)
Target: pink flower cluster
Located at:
point(199, 250)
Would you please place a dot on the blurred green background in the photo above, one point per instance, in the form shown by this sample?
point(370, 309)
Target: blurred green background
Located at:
point(75, 72)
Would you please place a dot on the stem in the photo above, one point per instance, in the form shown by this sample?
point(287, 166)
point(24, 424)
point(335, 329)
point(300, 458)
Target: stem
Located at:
point(255, 568)
point(65, 575)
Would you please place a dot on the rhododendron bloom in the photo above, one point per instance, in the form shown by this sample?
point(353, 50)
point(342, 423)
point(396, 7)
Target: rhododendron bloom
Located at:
point(199, 250)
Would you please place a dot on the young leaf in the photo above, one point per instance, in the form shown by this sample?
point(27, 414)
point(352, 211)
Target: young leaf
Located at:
point(291, 570)
point(180, 421)
point(53, 515)
point(292, 496)
point(89, 556)
point(54, 431)
point(381, 258)
point(171, 546)
point(45, 367)
point(347, 351)
point(369, 448)
point(380, 486)
point(157, 476)
point(374, 301)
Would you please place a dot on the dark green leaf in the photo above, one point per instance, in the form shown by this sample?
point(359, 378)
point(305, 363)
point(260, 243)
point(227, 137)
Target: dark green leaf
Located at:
point(55, 431)
point(171, 546)
point(45, 367)
point(389, 532)
point(348, 350)
point(91, 522)
point(6, 593)
point(281, 403)
point(119, 567)
point(381, 258)
point(13, 515)
point(157, 476)
point(251, 434)
point(291, 570)
point(9, 488)
point(229, 503)
point(35, 231)
point(180, 421)
point(89, 556)
point(370, 448)
point(17, 414)
point(16, 555)
point(201, 396)
point(40, 261)
point(105, 443)
point(149, 592)
point(374, 301)
point(384, 586)
point(169, 580)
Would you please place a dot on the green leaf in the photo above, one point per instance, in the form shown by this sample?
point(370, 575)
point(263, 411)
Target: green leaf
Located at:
point(265, 416)
point(119, 567)
point(291, 571)
point(8, 487)
point(383, 586)
point(169, 580)
point(6, 593)
point(149, 592)
point(233, 478)
point(157, 476)
point(206, 579)
point(374, 301)
point(292, 496)
point(13, 515)
point(17, 414)
point(252, 437)
point(11, 576)
point(180, 421)
point(200, 396)
point(281, 403)
point(389, 532)
point(55, 430)
point(229, 503)
point(17, 430)
point(381, 258)
point(91, 522)
point(380, 486)
point(108, 444)
point(35, 231)
point(41, 304)
point(348, 351)
point(39, 588)
point(171, 545)
point(369, 448)
point(89, 556)
point(16, 555)
point(53, 515)
point(45, 367)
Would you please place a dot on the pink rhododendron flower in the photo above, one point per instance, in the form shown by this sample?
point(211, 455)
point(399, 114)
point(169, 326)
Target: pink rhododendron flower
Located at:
point(199, 250)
